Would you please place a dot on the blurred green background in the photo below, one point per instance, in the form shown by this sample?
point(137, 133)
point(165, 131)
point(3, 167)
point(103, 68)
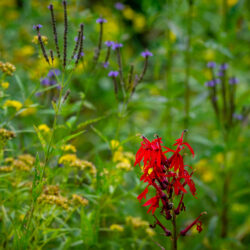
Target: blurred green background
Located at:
point(183, 37)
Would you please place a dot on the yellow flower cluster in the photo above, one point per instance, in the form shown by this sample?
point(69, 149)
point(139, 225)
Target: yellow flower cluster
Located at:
point(124, 160)
point(203, 169)
point(5, 135)
point(51, 190)
point(54, 200)
point(6, 169)
point(36, 41)
point(136, 222)
point(7, 68)
point(13, 104)
point(44, 128)
point(23, 162)
point(139, 21)
point(116, 228)
point(79, 200)
point(68, 147)
point(5, 85)
point(72, 161)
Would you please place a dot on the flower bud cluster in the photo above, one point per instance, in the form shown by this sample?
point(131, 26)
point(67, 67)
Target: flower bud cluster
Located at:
point(7, 68)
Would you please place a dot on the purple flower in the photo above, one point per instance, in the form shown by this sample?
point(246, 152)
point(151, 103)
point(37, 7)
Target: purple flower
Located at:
point(50, 7)
point(146, 53)
point(224, 66)
point(45, 81)
point(109, 43)
point(211, 65)
point(76, 38)
point(113, 73)
point(238, 117)
point(37, 94)
point(116, 46)
point(54, 72)
point(210, 83)
point(217, 81)
point(101, 20)
point(119, 6)
point(220, 73)
point(81, 55)
point(38, 26)
point(105, 65)
point(233, 80)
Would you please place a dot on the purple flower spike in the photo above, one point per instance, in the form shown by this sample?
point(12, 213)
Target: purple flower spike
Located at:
point(224, 66)
point(45, 81)
point(54, 72)
point(105, 65)
point(81, 55)
point(38, 26)
point(146, 53)
point(113, 73)
point(119, 6)
point(233, 80)
point(220, 73)
point(210, 83)
point(116, 46)
point(101, 20)
point(109, 43)
point(211, 65)
point(76, 38)
point(50, 7)
point(217, 81)
point(238, 117)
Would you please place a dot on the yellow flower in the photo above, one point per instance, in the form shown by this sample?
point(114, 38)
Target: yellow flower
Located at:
point(5, 85)
point(80, 200)
point(7, 68)
point(128, 13)
point(114, 144)
point(136, 222)
point(44, 128)
point(150, 232)
point(207, 176)
point(14, 104)
point(209, 55)
point(172, 36)
point(139, 22)
point(219, 158)
point(232, 2)
point(36, 41)
point(26, 51)
point(67, 159)
point(124, 166)
point(116, 227)
point(68, 147)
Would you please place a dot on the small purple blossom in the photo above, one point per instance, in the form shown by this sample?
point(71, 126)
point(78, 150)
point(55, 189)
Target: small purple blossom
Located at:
point(109, 43)
point(146, 53)
point(54, 72)
point(37, 94)
point(233, 80)
point(119, 6)
point(45, 81)
point(238, 117)
point(38, 26)
point(105, 65)
point(224, 66)
point(217, 81)
point(220, 73)
point(211, 65)
point(113, 73)
point(76, 38)
point(116, 46)
point(210, 83)
point(101, 20)
point(81, 55)
point(50, 7)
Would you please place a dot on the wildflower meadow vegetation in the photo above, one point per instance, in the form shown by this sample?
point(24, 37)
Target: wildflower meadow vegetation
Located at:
point(124, 125)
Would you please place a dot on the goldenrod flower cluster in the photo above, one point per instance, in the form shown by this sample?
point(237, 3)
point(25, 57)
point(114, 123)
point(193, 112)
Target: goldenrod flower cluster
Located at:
point(5, 85)
point(44, 128)
point(205, 172)
point(116, 228)
point(7, 68)
point(68, 147)
point(5, 135)
point(6, 169)
point(123, 159)
point(54, 200)
point(79, 200)
point(137, 222)
point(72, 161)
point(13, 104)
point(36, 41)
point(23, 162)
point(51, 190)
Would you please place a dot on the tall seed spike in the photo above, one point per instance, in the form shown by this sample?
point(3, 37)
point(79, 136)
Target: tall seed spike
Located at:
point(65, 34)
